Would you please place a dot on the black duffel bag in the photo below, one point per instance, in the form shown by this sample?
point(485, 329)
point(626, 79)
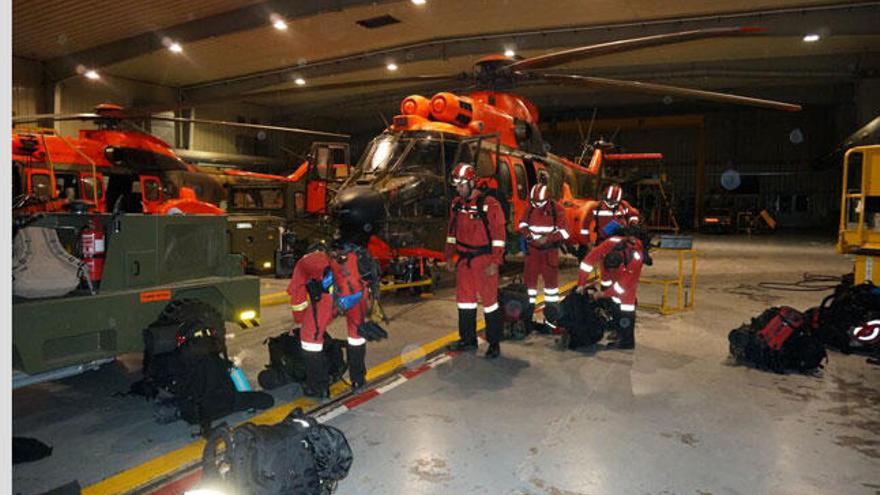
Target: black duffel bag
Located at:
point(582, 319)
point(286, 364)
point(295, 456)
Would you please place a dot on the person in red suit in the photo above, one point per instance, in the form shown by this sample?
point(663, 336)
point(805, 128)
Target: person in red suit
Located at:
point(619, 259)
point(612, 208)
point(325, 283)
point(544, 228)
point(475, 249)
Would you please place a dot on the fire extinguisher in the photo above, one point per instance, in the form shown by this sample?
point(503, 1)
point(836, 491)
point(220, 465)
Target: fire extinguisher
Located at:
point(92, 241)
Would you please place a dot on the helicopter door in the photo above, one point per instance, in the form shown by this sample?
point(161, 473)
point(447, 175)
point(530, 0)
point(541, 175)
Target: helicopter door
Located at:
point(329, 163)
point(520, 187)
point(39, 183)
point(87, 189)
point(151, 193)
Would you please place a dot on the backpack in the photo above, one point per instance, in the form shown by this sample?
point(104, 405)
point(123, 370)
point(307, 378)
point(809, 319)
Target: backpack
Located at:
point(286, 362)
point(197, 376)
point(583, 319)
point(848, 307)
point(513, 299)
point(778, 339)
point(295, 456)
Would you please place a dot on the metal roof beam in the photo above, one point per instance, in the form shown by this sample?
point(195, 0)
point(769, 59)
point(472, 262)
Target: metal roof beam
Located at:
point(242, 19)
point(837, 19)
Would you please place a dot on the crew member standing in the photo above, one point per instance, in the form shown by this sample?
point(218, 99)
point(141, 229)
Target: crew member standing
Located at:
point(545, 228)
point(619, 260)
point(475, 250)
point(325, 283)
point(612, 208)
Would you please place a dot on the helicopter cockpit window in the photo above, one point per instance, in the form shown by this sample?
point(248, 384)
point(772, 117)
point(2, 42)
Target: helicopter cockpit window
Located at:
point(89, 188)
point(272, 198)
point(152, 190)
point(41, 185)
point(379, 156)
point(521, 184)
point(66, 186)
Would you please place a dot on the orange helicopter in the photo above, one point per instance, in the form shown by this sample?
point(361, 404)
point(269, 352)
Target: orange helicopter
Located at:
point(404, 173)
point(117, 166)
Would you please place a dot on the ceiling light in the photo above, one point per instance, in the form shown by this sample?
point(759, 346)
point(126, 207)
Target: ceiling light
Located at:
point(509, 53)
point(175, 47)
point(300, 81)
point(92, 74)
point(419, 2)
point(391, 66)
point(280, 25)
point(811, 38)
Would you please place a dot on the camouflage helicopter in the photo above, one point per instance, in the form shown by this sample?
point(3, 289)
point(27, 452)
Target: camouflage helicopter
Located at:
point(404, 172)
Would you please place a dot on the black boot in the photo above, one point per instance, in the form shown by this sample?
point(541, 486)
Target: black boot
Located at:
point(527, 316)
point(494, 328)
point(467, 331)
point(626, 325)
point(317, 380)
point(357, 369)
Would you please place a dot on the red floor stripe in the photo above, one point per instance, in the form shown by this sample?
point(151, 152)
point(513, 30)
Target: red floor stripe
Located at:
point(416, 371)
point(361, 398)
point(180, 485)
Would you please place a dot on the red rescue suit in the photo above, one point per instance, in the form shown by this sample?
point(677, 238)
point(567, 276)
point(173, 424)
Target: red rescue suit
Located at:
point(315, 316)
point(477, 244)
point(545, 229)
point(622, 282)
point(599, 216)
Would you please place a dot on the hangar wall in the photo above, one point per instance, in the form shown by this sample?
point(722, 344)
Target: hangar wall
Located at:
point(27, 81)
point(777, 156)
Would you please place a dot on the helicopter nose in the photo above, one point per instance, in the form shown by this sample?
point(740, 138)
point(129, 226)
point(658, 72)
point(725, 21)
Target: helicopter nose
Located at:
point(359, 209)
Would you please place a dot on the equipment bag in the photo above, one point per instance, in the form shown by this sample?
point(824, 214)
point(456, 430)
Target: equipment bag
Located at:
point(778, 339)
point(286, 363)
point(295, 456)
point(196, 374)
point(513, 299)
point(583, 319)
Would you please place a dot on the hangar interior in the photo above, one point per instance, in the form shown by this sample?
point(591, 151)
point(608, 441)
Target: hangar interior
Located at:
point(757, 190)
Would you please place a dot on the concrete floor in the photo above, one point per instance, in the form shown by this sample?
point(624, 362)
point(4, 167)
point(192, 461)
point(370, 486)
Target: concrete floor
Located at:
point(673, 417)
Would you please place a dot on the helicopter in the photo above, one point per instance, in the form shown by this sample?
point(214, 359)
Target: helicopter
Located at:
point(404, 172)
point(118, 166)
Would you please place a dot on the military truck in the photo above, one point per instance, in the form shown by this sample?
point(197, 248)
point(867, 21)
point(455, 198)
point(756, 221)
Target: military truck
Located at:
point(155, 269)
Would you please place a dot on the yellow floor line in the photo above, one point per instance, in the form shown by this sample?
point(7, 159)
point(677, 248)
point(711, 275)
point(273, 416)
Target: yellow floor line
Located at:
point(166, 464)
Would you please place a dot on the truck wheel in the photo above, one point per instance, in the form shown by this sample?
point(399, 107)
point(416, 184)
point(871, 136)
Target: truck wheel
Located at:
point(195, 311)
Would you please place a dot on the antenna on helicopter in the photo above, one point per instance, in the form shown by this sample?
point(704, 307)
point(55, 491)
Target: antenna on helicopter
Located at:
point(586, 144)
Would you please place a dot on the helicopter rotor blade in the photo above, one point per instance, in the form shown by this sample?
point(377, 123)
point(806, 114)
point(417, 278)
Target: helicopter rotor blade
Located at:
point(666, 90)
point(250, 126)
point(561, 57)
point(860, 135)
point(364, 83)
point(58, 117)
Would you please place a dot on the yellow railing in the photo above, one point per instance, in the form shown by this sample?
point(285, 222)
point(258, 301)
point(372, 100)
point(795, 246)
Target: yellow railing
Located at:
point(683, 285)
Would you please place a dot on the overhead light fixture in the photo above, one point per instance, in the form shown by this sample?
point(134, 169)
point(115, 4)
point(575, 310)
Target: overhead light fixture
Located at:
point(811, 38)
point(278, 22)
point(92, 74)
point(175, 47)
point(509, 53)
point(391, 66)
point(419, 2)
point(300, 81)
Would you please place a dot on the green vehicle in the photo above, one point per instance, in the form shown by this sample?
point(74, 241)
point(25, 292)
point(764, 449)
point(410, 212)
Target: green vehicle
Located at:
point(157, 270)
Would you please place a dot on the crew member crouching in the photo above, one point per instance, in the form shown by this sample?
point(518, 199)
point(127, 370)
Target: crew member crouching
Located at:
point(619, 259)
point(544, 228)
point(475, 250)
point(326, 282)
